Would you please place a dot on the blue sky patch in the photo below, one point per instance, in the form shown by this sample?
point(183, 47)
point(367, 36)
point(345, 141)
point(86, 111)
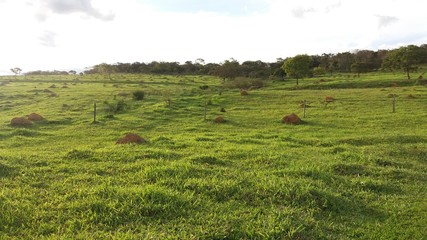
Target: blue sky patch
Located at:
point(223, 7)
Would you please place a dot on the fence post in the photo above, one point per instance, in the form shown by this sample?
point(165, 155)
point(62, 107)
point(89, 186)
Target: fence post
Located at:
point(206, 104)
point(394, 103)
point(305, 107)
point(94, 112)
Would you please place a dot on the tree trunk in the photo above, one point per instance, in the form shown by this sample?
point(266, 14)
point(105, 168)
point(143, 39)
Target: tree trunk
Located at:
point(408, 69)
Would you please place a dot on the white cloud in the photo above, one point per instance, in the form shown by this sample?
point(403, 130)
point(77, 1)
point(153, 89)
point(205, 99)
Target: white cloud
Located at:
point(333, 6)
point(79, 35)
point(300, 12)
point(77, 6)
point(48, 39)
point(384, 21)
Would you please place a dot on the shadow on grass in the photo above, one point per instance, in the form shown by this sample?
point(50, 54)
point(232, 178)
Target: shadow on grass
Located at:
point(115, 207)
point(366, 141)
point(7, 171)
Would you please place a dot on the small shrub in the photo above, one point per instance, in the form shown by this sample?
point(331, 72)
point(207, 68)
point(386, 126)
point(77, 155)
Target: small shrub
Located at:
point(116, 107)
point(245, 83)
point(243, 92)
point(138, 95)
point(123, 94)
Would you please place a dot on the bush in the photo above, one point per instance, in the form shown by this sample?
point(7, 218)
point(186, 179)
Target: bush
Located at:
point(116, 107)
point(243, 92)
point(245, 83)
point(138, 95)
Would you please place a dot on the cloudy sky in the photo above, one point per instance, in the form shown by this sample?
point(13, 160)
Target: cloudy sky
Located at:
point(74, 34)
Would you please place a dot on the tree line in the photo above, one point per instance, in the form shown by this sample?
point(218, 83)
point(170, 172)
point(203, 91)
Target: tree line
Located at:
point(406, 58)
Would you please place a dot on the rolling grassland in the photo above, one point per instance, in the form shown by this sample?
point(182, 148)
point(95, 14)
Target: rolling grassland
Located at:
point(353, 169)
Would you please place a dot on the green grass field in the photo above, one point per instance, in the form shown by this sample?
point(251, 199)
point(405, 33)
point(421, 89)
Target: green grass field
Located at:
point(352, 170)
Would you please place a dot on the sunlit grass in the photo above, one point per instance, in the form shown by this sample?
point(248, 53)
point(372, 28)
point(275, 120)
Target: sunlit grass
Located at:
point(352, 170)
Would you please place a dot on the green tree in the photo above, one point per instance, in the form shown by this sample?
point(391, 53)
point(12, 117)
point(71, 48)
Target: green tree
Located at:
point(319, 71)
point(404, 58)
point(16, 70)
point(343, 61)
point(228, 70)
point(359, 67)
point(298, 66)
point(104, 69)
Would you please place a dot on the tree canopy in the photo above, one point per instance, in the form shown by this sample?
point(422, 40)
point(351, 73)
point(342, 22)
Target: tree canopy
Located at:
point(405, 58)
point(16, 70)
point(298, 66)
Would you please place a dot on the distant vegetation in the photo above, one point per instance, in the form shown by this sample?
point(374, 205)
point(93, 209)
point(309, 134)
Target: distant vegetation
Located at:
point(405, 58)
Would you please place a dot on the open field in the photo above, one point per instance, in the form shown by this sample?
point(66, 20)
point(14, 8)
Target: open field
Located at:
point(353, 170)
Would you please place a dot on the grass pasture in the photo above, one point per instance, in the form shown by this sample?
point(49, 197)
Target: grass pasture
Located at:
point(352, 170)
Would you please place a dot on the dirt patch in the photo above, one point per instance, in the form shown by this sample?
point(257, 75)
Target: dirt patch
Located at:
point(131, 138)
point(219, 119)
point(292, 119)
point(329, 99)
point(20, 122)
point(35, 117)
point(243, 92)
point(123, 94)
point(410, 96)
point(53, 86)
